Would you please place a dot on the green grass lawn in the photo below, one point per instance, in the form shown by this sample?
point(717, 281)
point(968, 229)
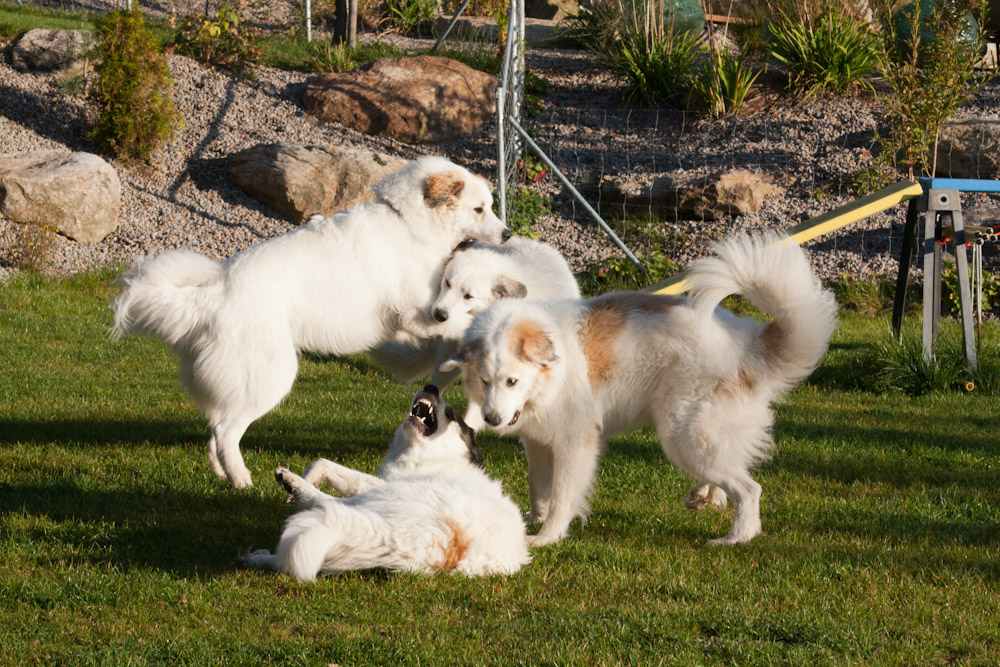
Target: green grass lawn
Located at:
point(881, 518)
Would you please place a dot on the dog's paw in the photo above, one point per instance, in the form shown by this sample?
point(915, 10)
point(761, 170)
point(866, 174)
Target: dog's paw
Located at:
point(541, 540)
point(705, 495)
point(287, 479)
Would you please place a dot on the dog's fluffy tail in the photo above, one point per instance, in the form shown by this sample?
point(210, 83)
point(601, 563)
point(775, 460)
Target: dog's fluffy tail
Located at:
point(772, 272)
point(167, 297)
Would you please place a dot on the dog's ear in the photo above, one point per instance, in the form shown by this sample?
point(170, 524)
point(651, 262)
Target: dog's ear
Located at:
point(507, 287)
point(531, 343)
point(443, 188)
point(465, 354)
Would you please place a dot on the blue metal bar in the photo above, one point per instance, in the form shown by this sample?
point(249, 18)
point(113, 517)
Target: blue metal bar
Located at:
point(961, 184)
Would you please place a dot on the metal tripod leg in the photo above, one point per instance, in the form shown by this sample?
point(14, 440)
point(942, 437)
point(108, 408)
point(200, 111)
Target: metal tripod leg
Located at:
point(932, 284)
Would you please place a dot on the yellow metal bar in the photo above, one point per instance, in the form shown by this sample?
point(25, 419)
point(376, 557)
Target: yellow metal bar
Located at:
point(841, 216)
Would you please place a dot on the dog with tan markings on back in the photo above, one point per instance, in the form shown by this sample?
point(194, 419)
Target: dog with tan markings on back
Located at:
point(565, 375)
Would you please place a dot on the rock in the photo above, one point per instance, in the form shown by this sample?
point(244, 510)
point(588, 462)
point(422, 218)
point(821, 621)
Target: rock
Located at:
point(717, 196)
point(77, 193)
point(417, 100)
point(42, 50)
point(969, 149)
point(300, 181)
point(554, 10)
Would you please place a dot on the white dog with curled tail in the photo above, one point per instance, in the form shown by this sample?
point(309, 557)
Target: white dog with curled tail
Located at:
point(565, 375)
point(337, 285)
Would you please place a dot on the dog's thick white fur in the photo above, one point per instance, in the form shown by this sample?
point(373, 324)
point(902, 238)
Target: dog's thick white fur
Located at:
point(476, 276)
point(431, 508)
point(337, 285)
point(566, 375)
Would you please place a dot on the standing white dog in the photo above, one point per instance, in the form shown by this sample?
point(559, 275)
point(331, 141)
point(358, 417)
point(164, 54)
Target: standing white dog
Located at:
point(337, 285)
point(478, 275)
point(565, 375)
point(432, 508)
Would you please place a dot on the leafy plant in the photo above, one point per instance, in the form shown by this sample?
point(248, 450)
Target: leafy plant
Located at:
point(929, 79)
point(132, 91)
point(836, 54)
point(221, 40)
point(657, 61)
point(330, 57)
point(618, 273)
point(597, 26)
point(410, 16)
point(30, 246)
point(724, 87)
point(524, 209)
point(951, 295)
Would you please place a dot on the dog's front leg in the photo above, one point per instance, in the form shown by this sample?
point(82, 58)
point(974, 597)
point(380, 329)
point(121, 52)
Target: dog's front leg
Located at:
point(346, 481)
point(574, 464)
point(539, 479)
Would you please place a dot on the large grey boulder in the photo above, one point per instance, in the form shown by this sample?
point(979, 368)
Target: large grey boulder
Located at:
point(969, 149)
point(77, 193)
point(301, 181)
point(43, 50)
point(424, 99)
point(681, 196)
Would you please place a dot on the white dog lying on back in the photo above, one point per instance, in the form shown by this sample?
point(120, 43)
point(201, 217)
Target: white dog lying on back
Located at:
point(338, 285)
point(476, 276)
point(566, 375)
point(432, 508)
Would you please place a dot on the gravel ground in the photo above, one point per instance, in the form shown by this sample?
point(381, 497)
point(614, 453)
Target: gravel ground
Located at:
point(185, 200)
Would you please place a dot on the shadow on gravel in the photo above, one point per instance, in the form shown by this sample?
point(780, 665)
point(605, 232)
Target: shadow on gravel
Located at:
point(48, 116)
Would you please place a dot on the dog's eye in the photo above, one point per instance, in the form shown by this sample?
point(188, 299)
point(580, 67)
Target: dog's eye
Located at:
point(485, 382)
point(447, 284)
point(479, 210)
point(511, 382)
point(467, 296)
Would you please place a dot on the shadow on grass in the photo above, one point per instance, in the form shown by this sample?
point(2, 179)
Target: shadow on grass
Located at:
point(188, 534)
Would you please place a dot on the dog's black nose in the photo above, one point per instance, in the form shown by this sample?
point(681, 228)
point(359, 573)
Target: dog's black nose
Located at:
point(440, 315)
point(505, 236)
point(492, 418)
point(431, 389)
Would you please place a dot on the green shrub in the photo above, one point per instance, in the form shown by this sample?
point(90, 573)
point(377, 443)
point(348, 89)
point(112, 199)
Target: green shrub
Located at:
point(132, 91)
point(477, 55)
point(330, 57)
point(618, 273)
point(836, 54)
point(596, 27)
point(724, 86)
point(524, 209)
point(659, 64)
point(221, 41)
point(928, 80)
point(412, 16)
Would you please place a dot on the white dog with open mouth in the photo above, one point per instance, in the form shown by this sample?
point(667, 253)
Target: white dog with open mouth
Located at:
point(476, 276)
point(432, 508)
point(337, 285)
point(566, 375)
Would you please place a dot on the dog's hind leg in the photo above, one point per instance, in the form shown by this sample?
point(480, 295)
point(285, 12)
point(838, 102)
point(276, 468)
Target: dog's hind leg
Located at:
point(346, 481)
point(213, 458)
point(300, 492)
point(539, 480)
point(262, 559)
point(574, 465)
point(745, 493)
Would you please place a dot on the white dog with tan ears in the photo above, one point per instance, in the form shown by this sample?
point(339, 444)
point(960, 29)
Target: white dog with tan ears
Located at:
point(478, 275)
point(337, 285)
point(432, 508)
point(565, 375)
